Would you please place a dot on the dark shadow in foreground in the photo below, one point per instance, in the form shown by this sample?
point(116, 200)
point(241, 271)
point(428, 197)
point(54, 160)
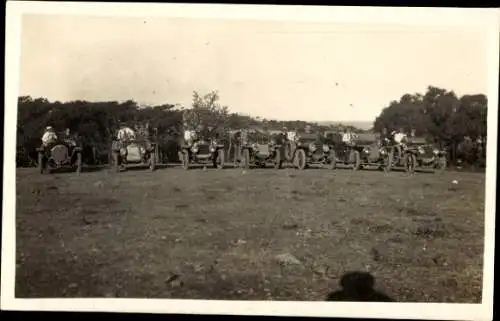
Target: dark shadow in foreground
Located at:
point(356, 287)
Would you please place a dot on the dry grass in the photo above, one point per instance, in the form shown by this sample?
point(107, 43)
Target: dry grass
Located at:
point(216, 234)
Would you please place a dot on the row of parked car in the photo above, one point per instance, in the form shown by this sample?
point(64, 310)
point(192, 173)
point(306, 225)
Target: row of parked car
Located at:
point(255, 148)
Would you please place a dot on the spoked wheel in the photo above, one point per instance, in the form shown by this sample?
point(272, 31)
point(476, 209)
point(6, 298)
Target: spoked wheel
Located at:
point(289, 148)
point(410, 163)
point(278, 161)
point(355, 158)
point(388, 159)
point(300, 159)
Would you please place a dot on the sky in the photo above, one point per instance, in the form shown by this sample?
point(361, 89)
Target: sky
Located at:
point(271, 69)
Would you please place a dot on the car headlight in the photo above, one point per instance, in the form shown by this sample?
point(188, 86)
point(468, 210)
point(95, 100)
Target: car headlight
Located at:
point(312, 147)
point(326, 148)
point(255, 147)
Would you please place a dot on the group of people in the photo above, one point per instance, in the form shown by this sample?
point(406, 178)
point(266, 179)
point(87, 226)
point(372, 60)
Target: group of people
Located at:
point(191, 135)
point(398, 137)
point(49, 136)
point(348, 137)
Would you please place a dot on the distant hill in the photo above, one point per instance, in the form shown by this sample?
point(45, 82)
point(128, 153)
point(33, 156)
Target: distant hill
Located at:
point(365, 125)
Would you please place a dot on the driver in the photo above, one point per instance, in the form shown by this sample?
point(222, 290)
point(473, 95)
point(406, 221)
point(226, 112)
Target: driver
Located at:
point(49, 136)
point(348, 137)
point(189, 135)
point(67, 137)
point(125, 133)
point(291, 135)
point(399, 136)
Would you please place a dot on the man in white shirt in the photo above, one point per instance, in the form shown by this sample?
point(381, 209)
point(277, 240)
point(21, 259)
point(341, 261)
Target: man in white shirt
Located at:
point(291, 136)
point(49, 136)
point(189, 136)
point(399, 137)
point(348, 137)
point(125, 133)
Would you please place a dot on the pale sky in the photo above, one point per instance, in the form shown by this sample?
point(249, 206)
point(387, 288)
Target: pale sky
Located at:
point(275, 70)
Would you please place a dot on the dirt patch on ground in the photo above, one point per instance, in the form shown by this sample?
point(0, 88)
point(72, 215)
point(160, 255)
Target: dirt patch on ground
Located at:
point(257, 234)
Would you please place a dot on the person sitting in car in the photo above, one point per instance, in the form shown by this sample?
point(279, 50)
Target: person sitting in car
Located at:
point(49, 136)
point(125, 133)
point(292, 135)
point(348, 138)
point(68, 139)
point(189, 135)
point(399, 136)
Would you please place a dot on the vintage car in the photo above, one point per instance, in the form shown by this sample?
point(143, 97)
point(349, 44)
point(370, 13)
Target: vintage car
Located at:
point(367, 150)
point(423, 155)
point(306, 149)
point(343, 153)
point(254, 147)
point(62, 153)
point(141, 150)
point(401, 153)
point(202, 151)
point(374, 151)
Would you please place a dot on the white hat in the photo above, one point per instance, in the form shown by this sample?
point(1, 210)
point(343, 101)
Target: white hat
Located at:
point(48, 128)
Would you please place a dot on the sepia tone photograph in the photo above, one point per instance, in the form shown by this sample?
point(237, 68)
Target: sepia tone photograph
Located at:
point(250, 159)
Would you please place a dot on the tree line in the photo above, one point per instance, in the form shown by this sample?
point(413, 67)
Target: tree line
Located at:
point(456, 124)
point(439, 115)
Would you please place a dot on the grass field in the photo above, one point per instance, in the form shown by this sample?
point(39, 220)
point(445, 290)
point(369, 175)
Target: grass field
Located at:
point(259, 234)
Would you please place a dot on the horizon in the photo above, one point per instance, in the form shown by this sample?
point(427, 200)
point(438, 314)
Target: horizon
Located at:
point(65, 58)
point(319, 122)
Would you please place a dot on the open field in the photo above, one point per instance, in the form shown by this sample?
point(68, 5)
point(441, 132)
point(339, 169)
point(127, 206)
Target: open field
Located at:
point(256, 235)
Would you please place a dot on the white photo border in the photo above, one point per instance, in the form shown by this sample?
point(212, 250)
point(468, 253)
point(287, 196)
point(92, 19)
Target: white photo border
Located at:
point(482, 18)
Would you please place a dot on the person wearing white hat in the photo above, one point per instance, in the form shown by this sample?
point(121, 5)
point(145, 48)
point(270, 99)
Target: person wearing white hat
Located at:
point(49, 136)
point(125, 133)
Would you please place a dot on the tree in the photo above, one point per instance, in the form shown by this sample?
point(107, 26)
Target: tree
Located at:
point(206, 114)
point(442, 117)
